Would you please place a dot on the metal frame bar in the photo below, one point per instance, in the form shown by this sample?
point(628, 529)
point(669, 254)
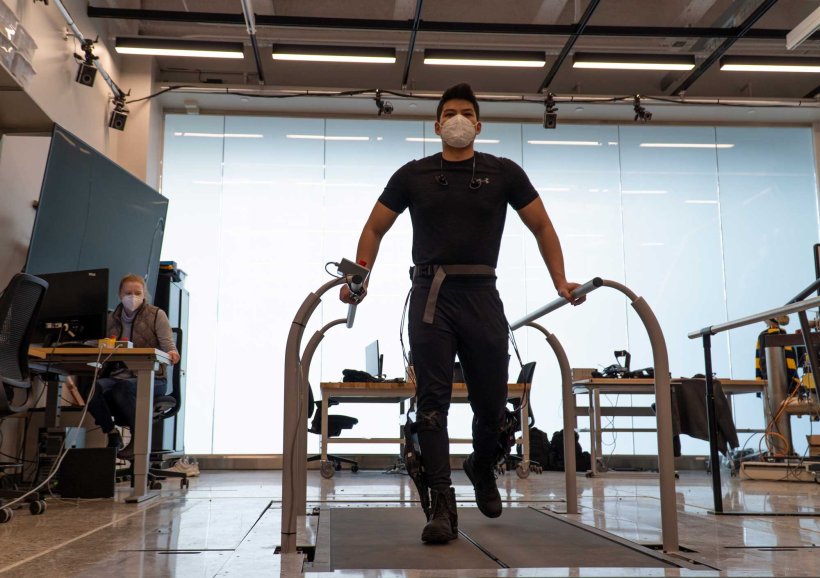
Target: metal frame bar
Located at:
point(411, 45)
point(434, 26)
point(250, 25)
point(706, 335)
point(576, 34)
point(741, 32)
point(118, 93)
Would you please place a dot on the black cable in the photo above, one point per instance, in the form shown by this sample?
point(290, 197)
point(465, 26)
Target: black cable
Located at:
point(401, 94)
point(156, 94)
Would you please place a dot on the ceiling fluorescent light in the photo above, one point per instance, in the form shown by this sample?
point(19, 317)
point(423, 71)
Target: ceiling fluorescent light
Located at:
point(190, 48)
point(218, 135)
point(803, 30)
point(769, 64)
point(323, 137)
point(568, 143)
point(484, 58)
point(684, 145)
point(358, 54)
point(633, 61)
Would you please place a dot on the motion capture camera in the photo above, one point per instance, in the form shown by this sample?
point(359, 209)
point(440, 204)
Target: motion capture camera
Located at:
point(86, 71)
point(120, 113)
point(118, 118)
point(86, 74)
point(550, 119)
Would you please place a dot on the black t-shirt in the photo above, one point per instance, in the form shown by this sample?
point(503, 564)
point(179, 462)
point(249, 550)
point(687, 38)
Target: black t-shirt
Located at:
point(454, 224)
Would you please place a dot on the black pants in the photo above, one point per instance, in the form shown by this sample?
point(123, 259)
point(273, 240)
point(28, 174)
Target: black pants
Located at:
point(115, 401)
point(470, 322)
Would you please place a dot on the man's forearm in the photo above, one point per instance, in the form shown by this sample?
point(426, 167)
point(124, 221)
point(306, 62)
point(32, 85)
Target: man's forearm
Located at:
point(368, 248)
point(550, 248)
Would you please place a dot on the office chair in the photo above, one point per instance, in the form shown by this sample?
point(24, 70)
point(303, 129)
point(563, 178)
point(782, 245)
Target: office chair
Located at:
point(19, 306)
point(524, 376)
point(335, 425)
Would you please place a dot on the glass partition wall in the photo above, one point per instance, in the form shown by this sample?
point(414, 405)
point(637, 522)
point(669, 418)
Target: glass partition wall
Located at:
point(706, 223)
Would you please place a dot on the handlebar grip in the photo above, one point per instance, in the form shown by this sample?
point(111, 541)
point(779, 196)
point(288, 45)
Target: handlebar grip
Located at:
point(355, 285)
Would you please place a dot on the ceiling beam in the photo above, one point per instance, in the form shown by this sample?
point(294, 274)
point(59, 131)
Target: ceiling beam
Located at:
point(579, 30)
point(250, 24)
point(411, 45)
point(745, 27)
point(267, 20)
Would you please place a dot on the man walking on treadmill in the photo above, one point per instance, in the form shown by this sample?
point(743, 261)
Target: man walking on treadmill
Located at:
point(458, 202)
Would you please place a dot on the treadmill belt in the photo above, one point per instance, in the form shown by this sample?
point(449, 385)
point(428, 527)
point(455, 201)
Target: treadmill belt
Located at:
point(389, 538)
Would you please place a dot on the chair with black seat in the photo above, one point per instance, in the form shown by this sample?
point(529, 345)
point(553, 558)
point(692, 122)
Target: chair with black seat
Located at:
point(19, 307)
point(335, 425)
point(524, 376)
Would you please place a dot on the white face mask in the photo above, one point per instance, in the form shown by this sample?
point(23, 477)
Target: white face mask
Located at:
point(458, 131)
point(131, 302)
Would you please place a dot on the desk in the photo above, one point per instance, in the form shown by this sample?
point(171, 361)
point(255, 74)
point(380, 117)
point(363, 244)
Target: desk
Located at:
point(142, 361)
point(639, 386)
point(396, 392)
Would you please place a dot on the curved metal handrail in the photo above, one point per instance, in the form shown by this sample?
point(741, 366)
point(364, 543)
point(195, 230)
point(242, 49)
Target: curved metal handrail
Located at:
point(294, 436)
point(663, 400)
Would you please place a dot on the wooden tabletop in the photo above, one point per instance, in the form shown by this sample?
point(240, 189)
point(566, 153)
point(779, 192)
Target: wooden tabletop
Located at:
point(649, 381)
point(47, 352)
point(397, 386)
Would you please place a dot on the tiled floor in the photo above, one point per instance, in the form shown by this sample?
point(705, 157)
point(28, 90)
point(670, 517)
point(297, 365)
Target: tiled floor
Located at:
point(228, 524)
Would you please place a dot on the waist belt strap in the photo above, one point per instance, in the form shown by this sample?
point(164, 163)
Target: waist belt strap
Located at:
point(441, 272)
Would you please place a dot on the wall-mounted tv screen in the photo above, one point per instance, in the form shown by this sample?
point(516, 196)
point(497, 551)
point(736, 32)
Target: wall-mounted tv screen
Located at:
point(93, 214)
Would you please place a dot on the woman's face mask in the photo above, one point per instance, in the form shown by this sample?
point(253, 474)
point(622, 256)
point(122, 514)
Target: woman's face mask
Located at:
point(132, 295)
point(458, 131)
point(131, 302)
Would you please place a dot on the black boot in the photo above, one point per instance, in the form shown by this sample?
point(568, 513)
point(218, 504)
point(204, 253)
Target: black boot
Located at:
point(443, 524)
point(486, 492)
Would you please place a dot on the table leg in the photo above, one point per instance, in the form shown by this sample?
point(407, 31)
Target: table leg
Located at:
point(142, 437)
point(594, 430)
point(54, 393)
point(525, 429)
point(325, 403)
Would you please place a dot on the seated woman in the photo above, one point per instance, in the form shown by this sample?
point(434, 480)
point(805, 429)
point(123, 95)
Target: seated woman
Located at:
point(115, 396)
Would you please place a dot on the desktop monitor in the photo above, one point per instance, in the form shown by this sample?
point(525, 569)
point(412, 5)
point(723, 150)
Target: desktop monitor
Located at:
point(373, 359)
point(75, 307)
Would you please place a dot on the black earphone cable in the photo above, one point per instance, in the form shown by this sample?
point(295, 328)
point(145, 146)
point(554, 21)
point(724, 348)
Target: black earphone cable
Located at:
point(475, 183)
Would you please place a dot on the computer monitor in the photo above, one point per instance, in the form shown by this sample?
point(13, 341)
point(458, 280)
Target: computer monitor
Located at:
point(373, 359)
point(75, 307)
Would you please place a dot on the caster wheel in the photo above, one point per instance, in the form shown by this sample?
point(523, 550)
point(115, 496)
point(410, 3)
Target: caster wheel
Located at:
point(354, 468)
point(588, 474)
point(37, 508)
point(337, 466)
point(184, 483)
point(6, 515)
point(156, 485)
point(328, 470)
point(522, 472)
